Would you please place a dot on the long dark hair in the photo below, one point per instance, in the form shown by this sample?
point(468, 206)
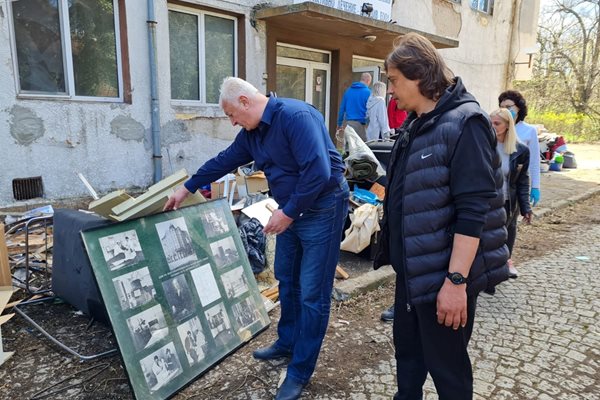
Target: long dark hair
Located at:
point(416, 58)
point(519, 101)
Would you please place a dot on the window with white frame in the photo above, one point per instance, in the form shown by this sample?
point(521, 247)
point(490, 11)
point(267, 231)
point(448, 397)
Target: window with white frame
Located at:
point(67, 48)
point(203, 48)
point(484, 6)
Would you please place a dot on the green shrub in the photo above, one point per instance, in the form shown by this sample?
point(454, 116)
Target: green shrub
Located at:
point(575, 128)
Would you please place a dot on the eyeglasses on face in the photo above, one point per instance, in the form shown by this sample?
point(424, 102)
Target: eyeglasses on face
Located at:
point(509, 106)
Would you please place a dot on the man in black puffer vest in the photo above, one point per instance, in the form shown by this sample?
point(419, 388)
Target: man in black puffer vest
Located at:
point(444, 220)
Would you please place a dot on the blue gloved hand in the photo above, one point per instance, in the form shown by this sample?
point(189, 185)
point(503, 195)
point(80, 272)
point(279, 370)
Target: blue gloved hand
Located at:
point(534, 196)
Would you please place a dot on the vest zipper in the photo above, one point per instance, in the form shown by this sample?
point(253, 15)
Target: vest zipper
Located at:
point(405, 145)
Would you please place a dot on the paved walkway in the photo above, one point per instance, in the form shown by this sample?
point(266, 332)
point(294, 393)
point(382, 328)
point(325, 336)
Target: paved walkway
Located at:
point(539, 336)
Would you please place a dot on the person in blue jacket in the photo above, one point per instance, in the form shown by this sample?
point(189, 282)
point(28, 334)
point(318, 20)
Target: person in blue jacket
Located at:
point(353, 110)
point(288, 140)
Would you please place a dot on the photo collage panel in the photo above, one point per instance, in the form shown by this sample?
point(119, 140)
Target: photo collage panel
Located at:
point(179, 292)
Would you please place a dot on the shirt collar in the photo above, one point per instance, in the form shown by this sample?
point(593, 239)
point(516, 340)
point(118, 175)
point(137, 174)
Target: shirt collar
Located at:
point(267, 117)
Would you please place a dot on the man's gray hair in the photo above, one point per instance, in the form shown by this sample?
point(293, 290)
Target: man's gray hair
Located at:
point(232, 88)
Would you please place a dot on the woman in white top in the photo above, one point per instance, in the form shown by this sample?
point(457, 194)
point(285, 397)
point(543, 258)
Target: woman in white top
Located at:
point(377, 113)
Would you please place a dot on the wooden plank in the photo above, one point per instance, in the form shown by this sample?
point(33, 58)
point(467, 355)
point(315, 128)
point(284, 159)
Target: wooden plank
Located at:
point(5, 276)
point(105, 204)
point(16, 302)
point(5, 318)
point(5, 294)
point(340, 271)
point(149, 196)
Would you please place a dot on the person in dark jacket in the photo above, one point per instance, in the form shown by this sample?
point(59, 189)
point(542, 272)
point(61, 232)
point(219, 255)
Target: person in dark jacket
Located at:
point(288, 140)
point(515, 167)
point(443, 229)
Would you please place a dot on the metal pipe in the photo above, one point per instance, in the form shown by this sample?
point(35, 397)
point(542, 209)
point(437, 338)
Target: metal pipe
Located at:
point(154, 103)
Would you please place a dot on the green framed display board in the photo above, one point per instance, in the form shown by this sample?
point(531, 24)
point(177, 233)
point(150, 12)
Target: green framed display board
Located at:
point(179, 292)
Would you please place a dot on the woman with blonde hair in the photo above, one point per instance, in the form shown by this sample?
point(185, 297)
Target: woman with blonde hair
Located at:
point(515, 165)
point(378, 127)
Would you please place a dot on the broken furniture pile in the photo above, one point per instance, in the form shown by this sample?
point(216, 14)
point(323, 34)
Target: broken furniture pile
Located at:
point(29, 242)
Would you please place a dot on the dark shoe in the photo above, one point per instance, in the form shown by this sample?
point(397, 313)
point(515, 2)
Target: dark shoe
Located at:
point(289, 390)
point(271, 353)
point(388, 315)
point(490, 291)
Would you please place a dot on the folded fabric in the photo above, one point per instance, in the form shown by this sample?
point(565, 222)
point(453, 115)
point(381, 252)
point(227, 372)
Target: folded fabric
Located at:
point(361, 168)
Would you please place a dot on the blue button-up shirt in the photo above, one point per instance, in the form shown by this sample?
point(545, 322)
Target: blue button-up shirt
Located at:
point(292, 146)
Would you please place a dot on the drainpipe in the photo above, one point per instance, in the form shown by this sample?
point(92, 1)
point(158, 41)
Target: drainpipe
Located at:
point(154, 104)
point(512, 48)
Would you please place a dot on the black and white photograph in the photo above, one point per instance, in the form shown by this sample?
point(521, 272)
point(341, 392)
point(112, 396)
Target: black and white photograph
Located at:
point(193, 340)
point(147, 327)
point(121, 250)
point(206, 285)
point(161, 367)
point(219, 324)
point(176, 242)
point(179, 297)
point(182, 301)
point(224, 251)
point(245, 313)
point(135, 288)
point(214, 222)
point(235, 282)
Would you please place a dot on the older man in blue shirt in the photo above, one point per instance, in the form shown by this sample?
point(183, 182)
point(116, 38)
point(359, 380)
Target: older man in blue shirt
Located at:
point(288, 140)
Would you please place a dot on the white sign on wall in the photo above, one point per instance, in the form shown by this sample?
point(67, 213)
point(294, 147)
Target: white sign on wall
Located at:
point(382, 9)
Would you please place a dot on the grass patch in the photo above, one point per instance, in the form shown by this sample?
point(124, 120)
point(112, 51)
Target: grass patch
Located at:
point(575, 128)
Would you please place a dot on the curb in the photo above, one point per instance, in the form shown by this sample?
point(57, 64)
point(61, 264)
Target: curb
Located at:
point(539, 213)
point(373, 279)
point(363, 283)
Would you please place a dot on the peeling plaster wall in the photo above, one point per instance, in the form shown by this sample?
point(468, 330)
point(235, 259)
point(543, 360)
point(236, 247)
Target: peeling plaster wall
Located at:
point(484, 41)
point(110, 143)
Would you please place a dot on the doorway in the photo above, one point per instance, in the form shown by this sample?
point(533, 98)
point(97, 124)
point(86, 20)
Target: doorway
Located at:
point(304, 74)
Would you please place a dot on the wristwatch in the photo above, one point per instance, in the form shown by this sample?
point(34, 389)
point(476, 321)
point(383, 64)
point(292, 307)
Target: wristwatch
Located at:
point(456, 278)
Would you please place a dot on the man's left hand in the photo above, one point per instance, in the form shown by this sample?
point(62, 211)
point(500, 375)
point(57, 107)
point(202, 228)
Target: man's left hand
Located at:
point(452, 305)
point(278, 223)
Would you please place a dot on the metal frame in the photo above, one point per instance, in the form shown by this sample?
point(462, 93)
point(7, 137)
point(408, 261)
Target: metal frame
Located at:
point(34, 222)
point(52, 338)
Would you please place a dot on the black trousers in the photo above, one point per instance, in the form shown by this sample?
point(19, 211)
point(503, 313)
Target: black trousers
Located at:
point(511, 227)
point(424, 346)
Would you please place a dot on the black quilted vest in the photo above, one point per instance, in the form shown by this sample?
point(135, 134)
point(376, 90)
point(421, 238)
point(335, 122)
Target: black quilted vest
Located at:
point(428, 212)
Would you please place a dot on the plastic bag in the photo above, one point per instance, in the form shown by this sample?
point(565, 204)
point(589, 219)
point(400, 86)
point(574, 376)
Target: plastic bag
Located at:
point(361, 163)
point(365, 222)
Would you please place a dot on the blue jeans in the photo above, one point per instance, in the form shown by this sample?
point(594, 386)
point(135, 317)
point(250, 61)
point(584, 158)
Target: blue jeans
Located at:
point(305, 259)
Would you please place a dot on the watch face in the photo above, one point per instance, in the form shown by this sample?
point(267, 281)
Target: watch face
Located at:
point(456, 278)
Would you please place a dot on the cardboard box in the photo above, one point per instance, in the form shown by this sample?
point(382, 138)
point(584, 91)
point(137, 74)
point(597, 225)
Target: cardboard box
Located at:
point(248, 184)
point(217, 189)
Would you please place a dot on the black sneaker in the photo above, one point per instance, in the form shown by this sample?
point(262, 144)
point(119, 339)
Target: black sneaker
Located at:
point(388, 315)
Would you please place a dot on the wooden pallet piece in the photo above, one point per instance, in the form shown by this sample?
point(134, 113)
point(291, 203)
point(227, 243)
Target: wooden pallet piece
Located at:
point(5, 294)
point(5, 276)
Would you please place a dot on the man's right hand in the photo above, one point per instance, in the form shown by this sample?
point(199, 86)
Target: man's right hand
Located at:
point(176, 199)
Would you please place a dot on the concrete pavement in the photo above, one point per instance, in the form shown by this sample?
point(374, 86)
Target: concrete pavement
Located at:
point(537, 338)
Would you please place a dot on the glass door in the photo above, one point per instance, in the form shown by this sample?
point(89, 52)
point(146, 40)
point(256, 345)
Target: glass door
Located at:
point(304, 76)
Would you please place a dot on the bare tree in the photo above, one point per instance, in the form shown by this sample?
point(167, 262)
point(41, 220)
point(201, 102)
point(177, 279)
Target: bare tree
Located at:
point(567, 73)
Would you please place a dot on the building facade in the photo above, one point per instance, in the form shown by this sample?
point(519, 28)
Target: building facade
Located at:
point(126, 92)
